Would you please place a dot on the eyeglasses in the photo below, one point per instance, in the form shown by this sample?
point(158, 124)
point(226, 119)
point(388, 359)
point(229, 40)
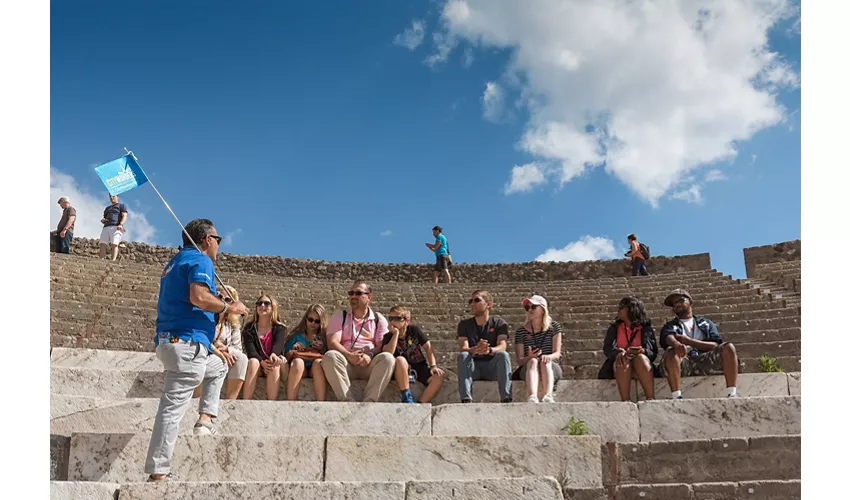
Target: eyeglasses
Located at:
point(263, 303)
point(396, 318)
point(216, 238)
point(475, 299)
point(311, 320)
point(352, 293)
point(531, 307)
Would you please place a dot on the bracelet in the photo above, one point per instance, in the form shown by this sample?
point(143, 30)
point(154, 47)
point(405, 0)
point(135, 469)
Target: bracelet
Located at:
point(225, 308)
point(431, 367)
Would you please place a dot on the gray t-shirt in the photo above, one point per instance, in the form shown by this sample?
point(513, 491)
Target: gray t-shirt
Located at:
point(67, 214)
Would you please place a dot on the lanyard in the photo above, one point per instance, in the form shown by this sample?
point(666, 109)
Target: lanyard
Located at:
point(365, 320)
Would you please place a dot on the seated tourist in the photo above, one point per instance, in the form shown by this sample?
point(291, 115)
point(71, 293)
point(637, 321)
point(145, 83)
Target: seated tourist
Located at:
point(264, 336)
point(413, 354)
point(354, 348)
point(304, 350)
point(694, 347)
point(538, 350)
point(227, 345)
point(630, 349)
point(483, 343)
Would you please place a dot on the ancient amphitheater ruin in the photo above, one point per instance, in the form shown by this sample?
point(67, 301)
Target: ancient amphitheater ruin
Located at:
point(105, 385)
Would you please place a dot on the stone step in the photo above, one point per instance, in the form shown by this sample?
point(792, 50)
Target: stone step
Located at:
point(121, 458)
point(750, 490)
point(79, 490)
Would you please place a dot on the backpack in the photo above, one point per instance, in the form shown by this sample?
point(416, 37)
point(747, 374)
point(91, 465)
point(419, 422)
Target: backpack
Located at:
point(644, 250)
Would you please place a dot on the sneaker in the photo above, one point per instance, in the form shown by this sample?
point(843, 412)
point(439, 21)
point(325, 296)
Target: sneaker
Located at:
point(407, 397)
point(678, 397)
point(732, 395)
point(548, 399)
point(204, 429)
point(508, 400)
point(164, 479)
point(465, 400)
point(533, 399)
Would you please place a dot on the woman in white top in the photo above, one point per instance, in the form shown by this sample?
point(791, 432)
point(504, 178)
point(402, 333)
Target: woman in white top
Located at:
point(228, 346)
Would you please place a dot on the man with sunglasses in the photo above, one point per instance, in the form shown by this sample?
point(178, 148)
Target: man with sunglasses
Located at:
point(694, 347)
point(185, 328)
point(483, 343)
point(354, 348)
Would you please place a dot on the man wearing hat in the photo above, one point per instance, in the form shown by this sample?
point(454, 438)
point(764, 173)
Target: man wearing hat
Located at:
point(694, 347)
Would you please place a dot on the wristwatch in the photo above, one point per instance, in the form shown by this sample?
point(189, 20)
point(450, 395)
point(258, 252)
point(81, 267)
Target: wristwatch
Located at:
point(490, 351)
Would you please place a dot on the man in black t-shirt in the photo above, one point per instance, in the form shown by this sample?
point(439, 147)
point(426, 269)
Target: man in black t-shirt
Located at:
point(113, 220)
point(483, 343)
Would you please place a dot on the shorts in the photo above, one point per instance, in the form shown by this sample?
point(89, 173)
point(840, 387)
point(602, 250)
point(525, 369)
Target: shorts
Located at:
point(557, 372)
point(111, 234)
point(423, 373)
point(442, 263)
point(700, 363)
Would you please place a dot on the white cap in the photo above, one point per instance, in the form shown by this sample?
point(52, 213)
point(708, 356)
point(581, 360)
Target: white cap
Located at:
point(536, 300)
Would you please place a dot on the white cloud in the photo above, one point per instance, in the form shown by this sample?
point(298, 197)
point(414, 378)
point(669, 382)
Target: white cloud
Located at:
point(690, 195)
point(90, 210)
point(386, 233)
point(715, 175)
point(586, 248)
point(651, 90)
point(227, 240)
point(412, 37)
point(444, 44)
point(525, 178)
point(468, 57)
point(493, 102)
point(753, 158)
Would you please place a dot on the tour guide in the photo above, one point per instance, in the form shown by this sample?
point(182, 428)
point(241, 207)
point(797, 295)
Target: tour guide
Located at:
point(185, 328)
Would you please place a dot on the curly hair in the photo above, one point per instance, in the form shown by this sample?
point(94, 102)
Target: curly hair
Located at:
point(636, 310)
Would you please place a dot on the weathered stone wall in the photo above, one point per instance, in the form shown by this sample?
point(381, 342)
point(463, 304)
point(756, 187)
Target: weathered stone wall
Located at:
point(470, 273)
point(777, 252)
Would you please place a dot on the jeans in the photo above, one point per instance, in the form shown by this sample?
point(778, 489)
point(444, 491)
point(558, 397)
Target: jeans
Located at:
point(639, 267)
point(470, 368)
point(187, 364)
point(63, 245)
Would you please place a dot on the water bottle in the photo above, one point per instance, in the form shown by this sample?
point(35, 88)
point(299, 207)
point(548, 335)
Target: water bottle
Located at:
point(411, 375)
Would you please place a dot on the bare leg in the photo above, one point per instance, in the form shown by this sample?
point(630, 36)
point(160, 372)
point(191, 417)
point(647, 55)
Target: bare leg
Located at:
point(251, 378)
point(674, 370)
point(296, 371)
point(729, 358)
point(436, 277)
point(114, 252)
point(547, 378)
point(447, 275)
point(623, 374)
point(103, 250)
point(643, 370)
point(401, 379)
point(320, 386)
point(273, 382)
point(433, 387)
point(531, 376)
point(232, 386)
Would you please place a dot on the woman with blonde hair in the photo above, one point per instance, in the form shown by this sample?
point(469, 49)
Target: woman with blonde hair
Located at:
point(538, 349)
point(264, 336)
point(304, 349)
point(227, 345)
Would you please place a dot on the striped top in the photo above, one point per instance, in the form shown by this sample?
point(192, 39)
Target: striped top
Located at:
point(538, 340)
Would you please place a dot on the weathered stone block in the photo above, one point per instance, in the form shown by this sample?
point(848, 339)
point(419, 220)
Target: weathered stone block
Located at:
point(609, 421)
point(263, 490)
point(569, 458)
point(585, 493)
point(78, 490)
point(60, 447)
point(749, 385)
point(670, 420)
point(537, 488)
point(769, 490)
point(654, 492)
point(794, 384)
point(715, 491)
point(120, 458)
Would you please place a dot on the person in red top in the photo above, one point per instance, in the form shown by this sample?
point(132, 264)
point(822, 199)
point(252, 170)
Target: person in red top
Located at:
point(264, 337)
point(638, 260)
point(630, 349)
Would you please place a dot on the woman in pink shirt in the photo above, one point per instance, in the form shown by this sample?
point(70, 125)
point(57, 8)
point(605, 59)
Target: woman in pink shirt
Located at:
point(264, 336)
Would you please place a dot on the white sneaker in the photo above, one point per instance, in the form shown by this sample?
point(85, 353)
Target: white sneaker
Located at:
point(204, 429)
point(533, 399)
point(548, 399)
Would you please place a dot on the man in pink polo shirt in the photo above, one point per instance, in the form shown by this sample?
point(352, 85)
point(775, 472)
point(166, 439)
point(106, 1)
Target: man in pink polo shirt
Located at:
point(354, 347)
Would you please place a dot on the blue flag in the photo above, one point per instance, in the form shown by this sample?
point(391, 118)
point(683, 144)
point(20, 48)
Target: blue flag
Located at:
point(121, 175)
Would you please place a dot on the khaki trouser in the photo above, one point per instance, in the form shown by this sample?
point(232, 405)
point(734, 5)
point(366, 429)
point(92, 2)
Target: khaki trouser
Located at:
point(339, 373)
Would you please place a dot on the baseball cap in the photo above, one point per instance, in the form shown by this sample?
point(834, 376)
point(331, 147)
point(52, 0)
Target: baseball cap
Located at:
point(536, 300)
point(676, 293)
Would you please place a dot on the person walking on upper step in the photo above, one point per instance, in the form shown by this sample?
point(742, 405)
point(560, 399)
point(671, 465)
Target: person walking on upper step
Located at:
point(185, 328)
point(413, 356)
point(65, 229)
point(264, 336)
point(114, 217)
point(630, 349)
point(304, 349)
point(638, 258)
point(694, 347)
point(538, 350)
point(483, 343)
point(440, 247)
point(227, 345)
point(354, 347)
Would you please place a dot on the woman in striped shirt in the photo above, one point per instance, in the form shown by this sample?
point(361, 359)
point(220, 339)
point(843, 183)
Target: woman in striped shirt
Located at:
point(538, 349)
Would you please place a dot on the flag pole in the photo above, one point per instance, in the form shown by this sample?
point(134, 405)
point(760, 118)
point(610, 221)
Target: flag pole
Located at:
point(177, 219)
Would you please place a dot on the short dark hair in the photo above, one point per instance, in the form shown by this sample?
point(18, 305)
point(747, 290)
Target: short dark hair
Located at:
point(636, 310)
point(437, 228)
point(361, 282)
point(198, 229)
point(632, 237)
point(484, 295)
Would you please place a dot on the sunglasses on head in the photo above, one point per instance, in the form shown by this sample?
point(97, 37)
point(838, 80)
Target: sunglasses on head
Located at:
point(311, 320)
point(352, 293)
point(531, 307)
point(475, 299)
point(396, 318)
point(265, 303)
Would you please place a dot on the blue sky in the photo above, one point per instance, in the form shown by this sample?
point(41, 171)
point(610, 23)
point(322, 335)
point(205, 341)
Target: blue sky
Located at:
point(344, 131)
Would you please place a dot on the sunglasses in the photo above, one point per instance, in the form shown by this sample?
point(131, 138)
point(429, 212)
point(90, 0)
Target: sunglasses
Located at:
point(396, 318)
point(531, 307)
point(311, 320)
point(263, 303)
point(216, 238)
point(476, 299)
point(358, 293)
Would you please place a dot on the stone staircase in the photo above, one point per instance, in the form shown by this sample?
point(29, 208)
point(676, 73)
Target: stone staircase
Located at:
point(105, 385)
point(779, 279)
